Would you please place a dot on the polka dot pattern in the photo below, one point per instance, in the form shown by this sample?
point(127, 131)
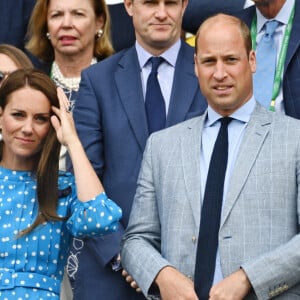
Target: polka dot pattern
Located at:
point(37, 259)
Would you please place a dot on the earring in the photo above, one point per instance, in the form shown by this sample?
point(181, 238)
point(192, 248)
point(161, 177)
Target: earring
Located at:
point(48, 36)
point(99, 33)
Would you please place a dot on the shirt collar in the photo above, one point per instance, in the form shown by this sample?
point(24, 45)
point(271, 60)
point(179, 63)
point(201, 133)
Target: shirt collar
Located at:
point(282, 16)
point(169, 55)
point(242, 114)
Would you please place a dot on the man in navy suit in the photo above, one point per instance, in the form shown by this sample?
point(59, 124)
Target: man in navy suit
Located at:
point(13, 21)
point(111, 121)
point(14, 18)
point(287, 100)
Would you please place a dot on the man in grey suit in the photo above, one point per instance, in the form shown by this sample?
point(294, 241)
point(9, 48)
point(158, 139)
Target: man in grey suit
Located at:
point(258, 253)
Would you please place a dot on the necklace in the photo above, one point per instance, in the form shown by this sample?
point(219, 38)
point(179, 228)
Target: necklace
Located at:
point(71, 83)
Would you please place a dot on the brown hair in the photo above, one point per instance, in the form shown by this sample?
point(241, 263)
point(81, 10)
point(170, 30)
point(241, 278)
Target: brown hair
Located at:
point(46, 164)
point(244, 29)
point(39, 45)
point(16, 55)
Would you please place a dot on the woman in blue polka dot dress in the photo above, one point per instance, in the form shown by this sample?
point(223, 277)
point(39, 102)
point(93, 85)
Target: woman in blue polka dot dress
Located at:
point(41, 208)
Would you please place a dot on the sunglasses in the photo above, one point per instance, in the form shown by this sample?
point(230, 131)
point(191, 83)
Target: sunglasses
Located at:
point(3, 75)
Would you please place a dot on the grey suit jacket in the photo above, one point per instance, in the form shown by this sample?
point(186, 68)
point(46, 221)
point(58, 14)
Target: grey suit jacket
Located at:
point(260, 218)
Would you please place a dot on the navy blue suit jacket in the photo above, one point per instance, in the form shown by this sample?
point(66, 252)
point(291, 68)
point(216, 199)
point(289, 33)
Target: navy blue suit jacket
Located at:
point(198, 10)
point(111, 122)
point(122, 30)
point(291, 75)
point(14, 17)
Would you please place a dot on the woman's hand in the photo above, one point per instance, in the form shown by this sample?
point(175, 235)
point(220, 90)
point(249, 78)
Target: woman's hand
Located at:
point(62, 121)
point(87, 182)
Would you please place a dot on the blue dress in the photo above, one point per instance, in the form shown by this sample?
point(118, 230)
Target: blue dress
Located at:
point(32, 266)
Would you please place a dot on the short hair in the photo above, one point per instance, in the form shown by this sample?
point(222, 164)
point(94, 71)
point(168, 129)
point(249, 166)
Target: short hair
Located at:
point(244, 29)
point(46, 161)
point(16, 55)
point(40, 46)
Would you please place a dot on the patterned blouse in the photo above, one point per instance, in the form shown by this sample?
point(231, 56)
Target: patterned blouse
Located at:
point(32, 266)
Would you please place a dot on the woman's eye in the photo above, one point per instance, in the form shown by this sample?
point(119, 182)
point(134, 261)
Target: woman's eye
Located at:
point(17, 114)
point(42, 119)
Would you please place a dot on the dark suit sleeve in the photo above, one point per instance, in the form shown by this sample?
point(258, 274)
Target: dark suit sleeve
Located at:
point(87, 116)
point(105, 248)
point(14, 17)
point(198, 10)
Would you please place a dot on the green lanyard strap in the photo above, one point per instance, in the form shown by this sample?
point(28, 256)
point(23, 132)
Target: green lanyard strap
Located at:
point(282, 54)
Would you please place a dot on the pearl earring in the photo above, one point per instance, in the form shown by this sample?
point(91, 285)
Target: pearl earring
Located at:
point(99, 33)
point(48, 36)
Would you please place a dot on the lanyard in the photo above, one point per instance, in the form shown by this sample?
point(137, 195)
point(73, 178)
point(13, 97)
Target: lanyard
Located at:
point(282, 54)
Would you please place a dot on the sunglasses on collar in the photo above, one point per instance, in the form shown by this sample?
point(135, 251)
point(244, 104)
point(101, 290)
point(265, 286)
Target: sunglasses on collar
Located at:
point(3, 75)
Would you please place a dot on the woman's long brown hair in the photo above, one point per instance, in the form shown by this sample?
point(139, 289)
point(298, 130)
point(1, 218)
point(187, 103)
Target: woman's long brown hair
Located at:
point(46, 162)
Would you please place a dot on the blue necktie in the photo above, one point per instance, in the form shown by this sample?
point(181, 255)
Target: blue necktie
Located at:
point(211, 214)
point(266, 54)
point(154, 100)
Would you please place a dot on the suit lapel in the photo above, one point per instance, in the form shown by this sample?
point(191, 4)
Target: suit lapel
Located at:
point(185, 86)
point(190, 153)
point(255, 135)
point(128, 83)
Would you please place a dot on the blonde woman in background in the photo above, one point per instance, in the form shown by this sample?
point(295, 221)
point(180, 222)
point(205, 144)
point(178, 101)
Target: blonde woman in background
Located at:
point(69, 36)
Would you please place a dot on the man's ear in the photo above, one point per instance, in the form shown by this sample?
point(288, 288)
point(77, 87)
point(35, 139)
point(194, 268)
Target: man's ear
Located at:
point(128, 6)
point(184, 5)
point(252, 61)
point(195, 65)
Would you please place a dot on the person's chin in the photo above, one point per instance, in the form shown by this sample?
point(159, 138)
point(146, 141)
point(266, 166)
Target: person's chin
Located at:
point(162, 40)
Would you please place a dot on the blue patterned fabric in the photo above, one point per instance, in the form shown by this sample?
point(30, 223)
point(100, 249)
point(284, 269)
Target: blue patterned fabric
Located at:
point(31, 267)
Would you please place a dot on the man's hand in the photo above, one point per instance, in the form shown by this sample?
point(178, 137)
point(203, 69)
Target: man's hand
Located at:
point(131, 281)
point(173, 285)
point(234, 287)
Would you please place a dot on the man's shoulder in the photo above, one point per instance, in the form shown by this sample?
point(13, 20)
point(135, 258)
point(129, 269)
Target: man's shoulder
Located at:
point(179, 129)
point(186, 51)
point(187, 48)
point(246, 15)
point(278, 118)
point(111, 62)
point(278, 122)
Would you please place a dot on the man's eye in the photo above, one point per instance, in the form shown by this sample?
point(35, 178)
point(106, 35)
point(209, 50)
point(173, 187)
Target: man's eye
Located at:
point(207, 61)
point(231, 59)
point(148, 2)
point(171, 2)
